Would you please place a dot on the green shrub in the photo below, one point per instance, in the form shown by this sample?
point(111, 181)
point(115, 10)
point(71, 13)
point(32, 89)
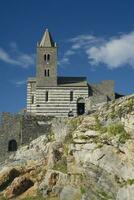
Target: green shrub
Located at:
point(130, 104)
point(61, 165)
point(75, 122)
point(84, 137)
point(130, 181)
point(69, 138)
point(3, 198)
point(82, 190)
point(104, 196)
point(113, 114)
point(98, 126)
point(38, 197)
point(118, 130)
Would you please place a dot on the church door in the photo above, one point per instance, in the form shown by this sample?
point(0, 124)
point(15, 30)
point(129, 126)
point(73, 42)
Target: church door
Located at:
point(80, 106)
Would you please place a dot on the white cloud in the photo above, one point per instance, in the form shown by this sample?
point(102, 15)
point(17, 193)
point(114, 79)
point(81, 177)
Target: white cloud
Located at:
point(4, 56)
point(16, 58)
point(69, 53)
point(66, 57)
point(114, 52)
point(63, 61)
point(19, 83)
point(78, 43)
point(26, 60)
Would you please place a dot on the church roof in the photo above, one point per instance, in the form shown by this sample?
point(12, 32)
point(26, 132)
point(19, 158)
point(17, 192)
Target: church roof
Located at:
point(67, 81)
point(47, 40)
point(71, 81)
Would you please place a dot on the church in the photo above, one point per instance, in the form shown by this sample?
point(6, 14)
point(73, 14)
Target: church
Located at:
point(51, 95)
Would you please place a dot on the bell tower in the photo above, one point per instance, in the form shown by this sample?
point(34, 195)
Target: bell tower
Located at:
point(46, 67)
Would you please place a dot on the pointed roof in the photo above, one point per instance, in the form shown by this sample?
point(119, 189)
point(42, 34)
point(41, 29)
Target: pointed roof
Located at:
point(47, 40)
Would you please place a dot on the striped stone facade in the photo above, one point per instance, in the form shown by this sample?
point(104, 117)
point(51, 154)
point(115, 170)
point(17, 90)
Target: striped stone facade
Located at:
point(50, 95)
point(58, 101)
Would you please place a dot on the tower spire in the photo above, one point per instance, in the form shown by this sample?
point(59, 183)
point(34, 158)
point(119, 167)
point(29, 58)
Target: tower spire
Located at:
point(47, 40)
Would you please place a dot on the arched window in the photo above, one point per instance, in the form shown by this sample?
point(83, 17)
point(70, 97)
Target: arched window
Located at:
point(12, 145)
point(48, 72)
point(32, 100)
point(46, 96)
point(48, 57)
point(71, 95)
point(45, 57)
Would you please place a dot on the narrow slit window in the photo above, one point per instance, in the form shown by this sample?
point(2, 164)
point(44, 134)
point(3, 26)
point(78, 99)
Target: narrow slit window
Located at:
point(45, 57)
point(46, 96)
point(71, 95)
point(48, 72)
point(32, 100)
point(48, 57)
point(45, 73)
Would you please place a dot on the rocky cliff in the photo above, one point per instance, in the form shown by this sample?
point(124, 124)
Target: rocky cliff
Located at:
point(86, 158)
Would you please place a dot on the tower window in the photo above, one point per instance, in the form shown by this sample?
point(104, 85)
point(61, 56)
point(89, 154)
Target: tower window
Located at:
point(47, 58)
point(46, 96)
point(71, 95)
point(46, 73)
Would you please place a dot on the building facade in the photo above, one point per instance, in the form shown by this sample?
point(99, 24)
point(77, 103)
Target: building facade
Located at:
point(49, 94)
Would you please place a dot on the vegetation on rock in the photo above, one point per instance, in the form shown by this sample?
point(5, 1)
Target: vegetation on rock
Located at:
point(83, 158)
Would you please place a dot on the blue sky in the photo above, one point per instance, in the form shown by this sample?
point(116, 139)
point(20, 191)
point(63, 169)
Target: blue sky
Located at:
point(95, 39)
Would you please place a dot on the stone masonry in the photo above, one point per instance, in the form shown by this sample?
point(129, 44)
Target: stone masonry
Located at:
point(51, 95)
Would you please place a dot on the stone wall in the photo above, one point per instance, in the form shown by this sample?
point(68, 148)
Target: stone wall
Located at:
point(104, 88)
point(22, 129)
point(9, 130)
point(34, 126)
point(99, 94)
point(41, 65)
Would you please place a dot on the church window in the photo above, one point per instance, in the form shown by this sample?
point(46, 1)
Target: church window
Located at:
point(46, 96)
point(47, 58)
point(71, 95)
point(32, 100)
point(45, 73)
point(48, 72)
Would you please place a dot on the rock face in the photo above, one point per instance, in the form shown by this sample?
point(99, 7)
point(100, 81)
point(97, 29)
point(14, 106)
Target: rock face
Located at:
point(95, 161)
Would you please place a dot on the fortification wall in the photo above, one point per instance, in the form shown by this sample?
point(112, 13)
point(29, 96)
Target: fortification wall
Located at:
point(99, 94)
point(9, 130)
point(104, 88)
point(22, 129)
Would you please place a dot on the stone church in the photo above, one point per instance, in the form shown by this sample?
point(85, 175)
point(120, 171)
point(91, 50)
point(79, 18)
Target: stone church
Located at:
point(51, 95)
point(48, 96)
